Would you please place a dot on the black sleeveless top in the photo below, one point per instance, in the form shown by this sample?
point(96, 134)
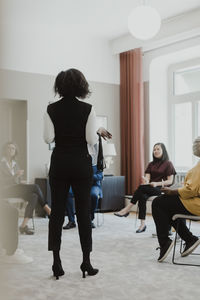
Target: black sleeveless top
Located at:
point(69, 117)
point(70, 157)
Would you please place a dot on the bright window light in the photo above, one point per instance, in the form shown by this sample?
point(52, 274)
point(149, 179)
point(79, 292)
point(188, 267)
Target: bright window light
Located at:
point(183, 135)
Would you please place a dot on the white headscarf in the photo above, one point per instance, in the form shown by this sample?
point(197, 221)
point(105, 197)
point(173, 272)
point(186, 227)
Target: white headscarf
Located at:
point(196, 146)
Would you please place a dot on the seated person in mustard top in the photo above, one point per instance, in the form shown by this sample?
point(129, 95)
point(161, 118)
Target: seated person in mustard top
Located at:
point(11, 186)
point(159, 173)
point(185, 200)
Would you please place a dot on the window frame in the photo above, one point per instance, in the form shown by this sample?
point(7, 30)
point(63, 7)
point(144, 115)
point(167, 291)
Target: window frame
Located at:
point(193, 98)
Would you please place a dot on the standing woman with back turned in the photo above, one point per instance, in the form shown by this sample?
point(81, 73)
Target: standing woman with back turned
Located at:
point(71, 124)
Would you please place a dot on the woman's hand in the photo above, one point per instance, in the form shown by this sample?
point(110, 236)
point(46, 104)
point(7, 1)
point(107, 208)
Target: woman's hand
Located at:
point(169, 191)
point(153, 184)
point(166, 190)
point(144, 180)
point(104, 133)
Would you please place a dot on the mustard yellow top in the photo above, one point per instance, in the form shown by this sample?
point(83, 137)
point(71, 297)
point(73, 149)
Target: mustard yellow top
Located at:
point(189, 194)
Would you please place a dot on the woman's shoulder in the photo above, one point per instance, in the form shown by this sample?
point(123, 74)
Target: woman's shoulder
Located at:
point(60, 105)
point(169, 163)
point(3, 161)
point(196, 168)
point(169, 167)
point(85, 104)
point(4, 165)
point(158, 164)
point(85, 107)
point(55, 104)
point(52, 106)
point(150, 164)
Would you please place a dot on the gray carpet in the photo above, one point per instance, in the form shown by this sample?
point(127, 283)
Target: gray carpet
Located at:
point(127, 262)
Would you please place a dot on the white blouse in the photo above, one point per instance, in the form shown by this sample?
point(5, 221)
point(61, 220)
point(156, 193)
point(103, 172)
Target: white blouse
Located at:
point(90, 130)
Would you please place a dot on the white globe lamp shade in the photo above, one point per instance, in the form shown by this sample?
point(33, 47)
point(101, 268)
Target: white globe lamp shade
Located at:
point(144, 22)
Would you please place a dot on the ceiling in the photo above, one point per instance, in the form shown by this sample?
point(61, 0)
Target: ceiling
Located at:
point(102, 18)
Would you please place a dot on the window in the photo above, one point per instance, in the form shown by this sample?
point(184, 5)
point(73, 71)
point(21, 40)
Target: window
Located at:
point(184, 116)
point(187, 80)
point(183, 135)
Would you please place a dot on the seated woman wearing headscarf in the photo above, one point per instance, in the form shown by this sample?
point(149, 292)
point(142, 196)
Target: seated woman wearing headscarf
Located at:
point(185, 200)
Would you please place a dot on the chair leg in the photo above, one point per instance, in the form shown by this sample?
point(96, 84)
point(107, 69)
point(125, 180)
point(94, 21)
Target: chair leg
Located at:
point(181, 244)
point(98, 212)
point(173, 256)
point(136, 215)
point(98, 219)
point(174, 248)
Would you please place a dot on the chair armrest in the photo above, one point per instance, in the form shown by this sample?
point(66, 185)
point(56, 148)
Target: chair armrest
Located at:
point(189, 217)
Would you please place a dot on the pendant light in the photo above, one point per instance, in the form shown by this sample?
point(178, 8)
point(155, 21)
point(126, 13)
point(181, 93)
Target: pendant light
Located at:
point(144, 22)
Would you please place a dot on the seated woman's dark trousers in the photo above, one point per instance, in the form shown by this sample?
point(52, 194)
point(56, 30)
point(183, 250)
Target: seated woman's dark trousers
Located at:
point(141, 195)
point(8, 227)
point(163, 209)
point(28, 192)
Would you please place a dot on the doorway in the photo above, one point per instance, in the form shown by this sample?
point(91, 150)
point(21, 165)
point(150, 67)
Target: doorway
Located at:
point(13, 127)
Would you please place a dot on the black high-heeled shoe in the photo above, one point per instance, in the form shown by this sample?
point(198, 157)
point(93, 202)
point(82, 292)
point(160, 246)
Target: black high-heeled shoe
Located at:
point(57, 270)
point(141, 230)
point(87, 267)
point(118, 215)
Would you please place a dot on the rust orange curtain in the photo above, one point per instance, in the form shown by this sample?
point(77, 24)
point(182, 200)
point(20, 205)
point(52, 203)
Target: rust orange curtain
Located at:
point(132, 118)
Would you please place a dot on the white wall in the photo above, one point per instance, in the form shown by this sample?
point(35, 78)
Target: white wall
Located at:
point(37, 48)
point(38, 91)
point(49, 49)
point(33, 52)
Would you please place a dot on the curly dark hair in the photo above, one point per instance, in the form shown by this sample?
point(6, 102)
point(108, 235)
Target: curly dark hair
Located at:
point(71, 83)
point(165, 155)
point(5, 149)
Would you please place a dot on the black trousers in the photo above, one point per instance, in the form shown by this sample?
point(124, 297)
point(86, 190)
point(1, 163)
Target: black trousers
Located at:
point(8, 227)
point(163, 209)
point(28, 192)
point(59, 192)
point(73, 169)
point(141, 195)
